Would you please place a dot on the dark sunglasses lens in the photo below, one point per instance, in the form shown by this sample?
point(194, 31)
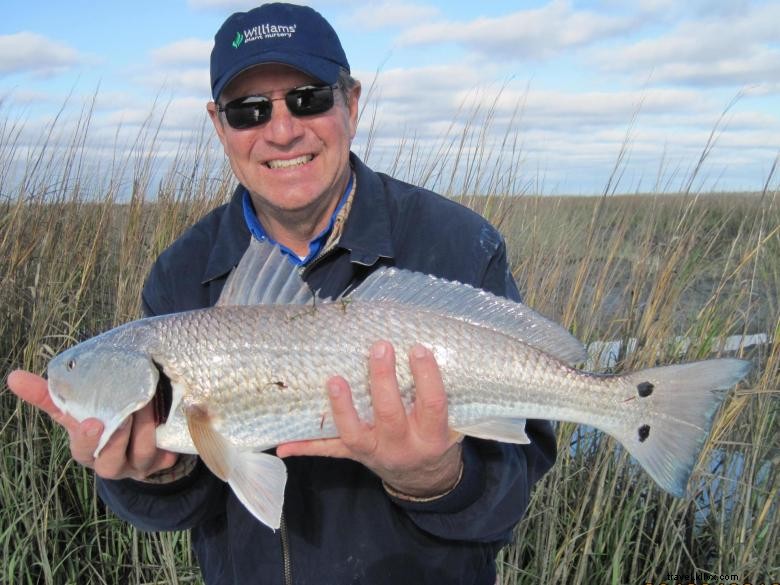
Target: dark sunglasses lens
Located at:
point(309, 101)
point(248, 112)
point(251, 111)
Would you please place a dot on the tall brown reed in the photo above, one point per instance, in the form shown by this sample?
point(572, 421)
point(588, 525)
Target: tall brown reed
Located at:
point(76, 241)
point(656, 269)
point(77, 237)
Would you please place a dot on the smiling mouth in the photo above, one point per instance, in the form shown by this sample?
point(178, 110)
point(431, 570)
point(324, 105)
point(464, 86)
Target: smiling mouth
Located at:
point(292, 162)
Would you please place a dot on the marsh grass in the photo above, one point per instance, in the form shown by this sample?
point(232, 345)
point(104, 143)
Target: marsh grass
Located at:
point(654, 269)
point(76, 242)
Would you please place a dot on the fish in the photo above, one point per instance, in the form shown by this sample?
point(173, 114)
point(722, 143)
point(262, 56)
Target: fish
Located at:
point(249, 374)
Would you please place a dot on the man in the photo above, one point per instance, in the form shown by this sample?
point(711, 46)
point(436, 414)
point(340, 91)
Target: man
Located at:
point(400, 500)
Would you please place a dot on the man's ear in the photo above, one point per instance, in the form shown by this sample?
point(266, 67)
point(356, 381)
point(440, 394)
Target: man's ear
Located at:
point(353, 103)
point(216, 119)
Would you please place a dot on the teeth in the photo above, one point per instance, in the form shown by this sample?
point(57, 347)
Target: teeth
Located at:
point(293, 162)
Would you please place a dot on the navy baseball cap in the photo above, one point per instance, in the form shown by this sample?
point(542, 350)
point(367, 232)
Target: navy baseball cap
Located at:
point(288, 34)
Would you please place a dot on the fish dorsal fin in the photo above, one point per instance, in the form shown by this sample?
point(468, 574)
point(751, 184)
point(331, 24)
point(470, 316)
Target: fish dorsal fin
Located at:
point(473, 305)
point(265, 276)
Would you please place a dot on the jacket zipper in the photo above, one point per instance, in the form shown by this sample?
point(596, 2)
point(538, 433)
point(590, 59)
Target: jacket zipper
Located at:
point(286, 563)
point(324, 254)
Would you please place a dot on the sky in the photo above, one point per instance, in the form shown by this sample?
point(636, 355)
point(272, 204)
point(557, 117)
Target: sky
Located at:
point(554, 89)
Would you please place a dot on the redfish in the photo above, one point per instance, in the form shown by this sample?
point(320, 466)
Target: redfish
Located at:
point(249, 374)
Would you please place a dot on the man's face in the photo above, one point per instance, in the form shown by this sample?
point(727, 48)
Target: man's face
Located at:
point(288, 164)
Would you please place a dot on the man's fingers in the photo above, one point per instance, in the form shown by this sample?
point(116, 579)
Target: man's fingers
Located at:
point(389, 412)
point(35, 390)
point(352, 431)
point(163, 460)
point(355, 436)
point(430, 405)
point(315, 448)
point(131, 450)
point(84, 440)
point(112, 461)
point(142, 448)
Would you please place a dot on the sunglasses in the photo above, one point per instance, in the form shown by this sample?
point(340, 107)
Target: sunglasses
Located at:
point(254, 110)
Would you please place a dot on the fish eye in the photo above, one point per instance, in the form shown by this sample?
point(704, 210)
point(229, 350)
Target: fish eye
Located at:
point(71, 364)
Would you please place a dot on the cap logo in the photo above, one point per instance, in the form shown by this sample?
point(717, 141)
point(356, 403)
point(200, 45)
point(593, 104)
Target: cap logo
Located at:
point(288, 34)
point(264, 31)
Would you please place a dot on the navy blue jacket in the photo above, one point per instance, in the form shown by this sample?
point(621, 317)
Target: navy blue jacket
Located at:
point(343, 528)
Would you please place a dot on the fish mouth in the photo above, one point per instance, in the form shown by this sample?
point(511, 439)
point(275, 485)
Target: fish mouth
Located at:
point(163, 396)
point(56, 397)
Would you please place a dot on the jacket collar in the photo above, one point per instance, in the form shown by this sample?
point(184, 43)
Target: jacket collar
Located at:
point(367, 232)
point(231, 241)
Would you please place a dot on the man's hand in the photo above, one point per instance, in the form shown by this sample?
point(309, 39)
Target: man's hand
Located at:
point(415, 454)
point(130, 452)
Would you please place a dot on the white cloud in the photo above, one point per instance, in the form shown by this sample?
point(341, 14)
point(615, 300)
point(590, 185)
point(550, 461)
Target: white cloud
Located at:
point(186, 114)
point(106, 101)
point(181, 67)
point(415, 84)
point(721, 48)
point(763, 89)
point(578, 133)
point(609, 106)
point(377, 15)
point(125, 117)
point(658, 6)
point(432, 97)
point(27, 52)
point(174, 117)
point(183, 52)
point(424, 99)
point(537, 33)
point(763, 65)
point(192, 81)
point(24, 96)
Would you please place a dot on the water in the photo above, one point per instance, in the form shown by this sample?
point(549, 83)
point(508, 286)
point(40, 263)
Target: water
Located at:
point(604, 355)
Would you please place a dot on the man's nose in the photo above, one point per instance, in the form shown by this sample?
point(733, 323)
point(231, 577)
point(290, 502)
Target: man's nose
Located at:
point(283, 128)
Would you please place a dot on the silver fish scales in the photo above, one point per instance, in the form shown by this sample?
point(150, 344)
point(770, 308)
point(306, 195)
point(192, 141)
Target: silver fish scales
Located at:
point(248, 377)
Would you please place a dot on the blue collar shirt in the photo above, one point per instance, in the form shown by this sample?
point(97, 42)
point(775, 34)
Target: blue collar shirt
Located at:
point(318, 242)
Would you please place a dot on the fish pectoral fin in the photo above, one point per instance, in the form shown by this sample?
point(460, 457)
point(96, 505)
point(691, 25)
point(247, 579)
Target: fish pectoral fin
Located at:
point(212, 447)
point(505, 430)
point(257, 479)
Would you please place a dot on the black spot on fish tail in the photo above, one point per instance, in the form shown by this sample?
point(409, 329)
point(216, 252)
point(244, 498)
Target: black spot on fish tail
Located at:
point(644, 432)
point(645, 389)
point(163, 396)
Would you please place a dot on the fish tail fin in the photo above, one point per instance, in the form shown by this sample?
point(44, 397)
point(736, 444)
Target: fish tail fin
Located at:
point(683, 400)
